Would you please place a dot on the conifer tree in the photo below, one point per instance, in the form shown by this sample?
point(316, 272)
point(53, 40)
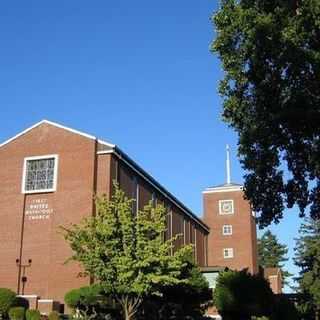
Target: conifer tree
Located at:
point(272, 254)
point(307, 258)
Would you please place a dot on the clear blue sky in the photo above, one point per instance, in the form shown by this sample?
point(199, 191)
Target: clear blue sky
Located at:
point(138, 74)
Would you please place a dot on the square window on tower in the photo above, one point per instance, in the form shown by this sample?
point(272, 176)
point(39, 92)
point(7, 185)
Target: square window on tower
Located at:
point(228, 253)
point(227, 230)
point(226, 207)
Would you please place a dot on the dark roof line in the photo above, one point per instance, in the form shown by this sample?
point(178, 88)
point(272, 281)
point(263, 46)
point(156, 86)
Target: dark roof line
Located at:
point(232, 184)
point(159, 186)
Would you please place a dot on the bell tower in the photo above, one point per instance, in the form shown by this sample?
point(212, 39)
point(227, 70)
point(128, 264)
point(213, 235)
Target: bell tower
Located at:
point(232, 241)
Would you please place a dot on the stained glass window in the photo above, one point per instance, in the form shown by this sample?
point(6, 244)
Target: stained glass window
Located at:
point(40, 174)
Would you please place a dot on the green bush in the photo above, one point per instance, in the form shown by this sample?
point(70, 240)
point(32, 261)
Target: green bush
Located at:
point(84, 296)
point(73, 298)
point(91, 301)
point(17, 313)
point(54, 315)
point(21, 302)
point(284, 309)
point(240, 295)
point(7, 299)
point(33, 315)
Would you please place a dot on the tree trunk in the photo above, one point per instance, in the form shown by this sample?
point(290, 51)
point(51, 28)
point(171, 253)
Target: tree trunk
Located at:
point(130, 306)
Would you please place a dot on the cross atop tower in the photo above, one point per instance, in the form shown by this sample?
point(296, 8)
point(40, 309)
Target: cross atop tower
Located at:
point(228, 165)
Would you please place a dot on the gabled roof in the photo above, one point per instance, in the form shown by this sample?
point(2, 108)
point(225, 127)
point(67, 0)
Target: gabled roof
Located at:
point(124, 157)
point(58, 126)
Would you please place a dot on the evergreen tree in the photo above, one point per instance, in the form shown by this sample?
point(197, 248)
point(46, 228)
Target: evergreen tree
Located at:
point(272, 254)
point(270, 53)
point(126, 253)
point(307, 258)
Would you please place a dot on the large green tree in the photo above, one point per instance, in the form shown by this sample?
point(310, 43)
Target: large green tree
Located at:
point(126, 253)
point(272, 254)
point(307, 258)
point(270, 53)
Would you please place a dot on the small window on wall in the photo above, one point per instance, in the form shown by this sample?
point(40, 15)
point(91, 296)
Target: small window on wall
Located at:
point(228, 253)
point(40, 174)
point(154, 199)
point(226, 207)
point(227, 230)
point(135, 195)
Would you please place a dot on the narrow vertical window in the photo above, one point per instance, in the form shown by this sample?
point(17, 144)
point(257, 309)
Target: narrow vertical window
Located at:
point(135, 196)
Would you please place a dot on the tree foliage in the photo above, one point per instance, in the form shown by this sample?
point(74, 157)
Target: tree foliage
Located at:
point(7, 299)
point(283, 308)
point(84, 296)
point(17, 313)
point(91, 302)
point(270, 53)
point(125, 252)
point(307, 258)
point(272, 254)
point(32, 314)
point(240, 295)
point(187, 300)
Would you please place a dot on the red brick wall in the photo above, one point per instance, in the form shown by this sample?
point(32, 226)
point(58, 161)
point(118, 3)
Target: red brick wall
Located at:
point(104, 181)
point(275, 281)
point(72, 201)
point(81, 174)
point(243, 239)
point(128, 179)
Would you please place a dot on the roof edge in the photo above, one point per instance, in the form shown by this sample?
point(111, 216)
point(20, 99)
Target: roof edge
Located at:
point(123, 156)
point(44, 121)
point(224, 188)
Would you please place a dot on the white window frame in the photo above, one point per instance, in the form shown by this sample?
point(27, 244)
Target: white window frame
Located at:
point(230, 253)
point(226, 226)
point(220, 206)
point(55, 174)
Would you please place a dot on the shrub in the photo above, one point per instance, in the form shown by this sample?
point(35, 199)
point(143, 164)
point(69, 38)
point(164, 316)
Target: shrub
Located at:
point(284, 309)
point(91, 301)
point(21, 302)
point(17, 313)
point(73, 298)
point(54, 315)
point(7, 298)
point(83, 297)
point(33, 315)
point(240, 295)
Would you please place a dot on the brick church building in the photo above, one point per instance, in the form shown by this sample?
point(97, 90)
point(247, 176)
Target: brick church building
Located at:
point(49, 175)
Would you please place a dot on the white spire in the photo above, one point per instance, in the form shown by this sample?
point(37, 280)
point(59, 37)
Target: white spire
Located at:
point(228, 164)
